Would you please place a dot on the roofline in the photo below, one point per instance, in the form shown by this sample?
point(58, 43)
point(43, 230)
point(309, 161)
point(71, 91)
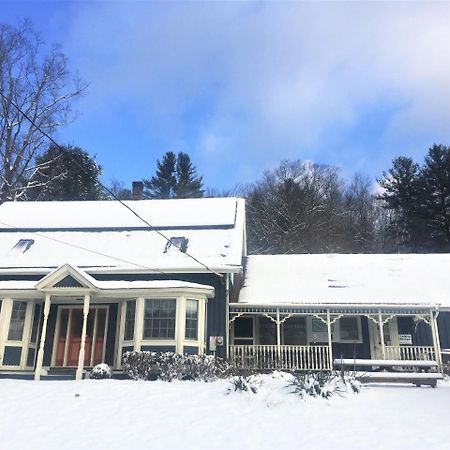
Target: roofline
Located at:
point(335, 305)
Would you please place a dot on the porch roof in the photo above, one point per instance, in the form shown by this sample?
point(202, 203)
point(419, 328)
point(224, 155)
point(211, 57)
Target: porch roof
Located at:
point(346, 280)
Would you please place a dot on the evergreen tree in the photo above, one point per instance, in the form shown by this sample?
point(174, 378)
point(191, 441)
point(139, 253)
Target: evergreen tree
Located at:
point(189, 184)
point(402, 194)
point(176, 177)
point(69, 173)
point(435, 185)
point(163, 183)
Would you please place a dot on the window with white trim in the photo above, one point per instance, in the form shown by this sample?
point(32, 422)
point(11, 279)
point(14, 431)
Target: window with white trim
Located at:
point(17, 321)
point(130, 315)
point(159, 318)
point(191, 319)
point(35, 326)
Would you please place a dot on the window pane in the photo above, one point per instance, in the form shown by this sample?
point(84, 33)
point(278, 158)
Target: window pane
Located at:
point(17, 321)
point(191, 319)
point(349, 328)
point(36, 319)
point(159, 318)
point(267, 331)
point(129, 320)
point(243, 327)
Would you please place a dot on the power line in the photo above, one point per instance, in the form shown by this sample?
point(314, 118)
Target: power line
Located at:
point(109, 191)
point(87, 249)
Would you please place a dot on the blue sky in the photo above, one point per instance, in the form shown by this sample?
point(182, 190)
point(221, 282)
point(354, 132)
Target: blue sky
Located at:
point(243, 85)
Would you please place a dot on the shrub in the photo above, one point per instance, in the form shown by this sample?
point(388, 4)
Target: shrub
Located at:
point(101, 372)
point(324, 384)
point(169, 366)
point(243, 384)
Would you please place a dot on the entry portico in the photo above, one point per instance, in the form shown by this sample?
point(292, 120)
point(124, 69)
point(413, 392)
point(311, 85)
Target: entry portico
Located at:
point(91, 318)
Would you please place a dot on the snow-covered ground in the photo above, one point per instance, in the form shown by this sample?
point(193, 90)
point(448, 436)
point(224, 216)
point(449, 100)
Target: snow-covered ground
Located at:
point(195, 415)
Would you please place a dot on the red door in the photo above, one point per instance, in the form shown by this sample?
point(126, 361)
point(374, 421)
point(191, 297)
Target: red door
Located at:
point(95, 335)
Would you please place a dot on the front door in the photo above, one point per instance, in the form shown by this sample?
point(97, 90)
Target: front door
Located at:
point(390, 334)
point(69, 336)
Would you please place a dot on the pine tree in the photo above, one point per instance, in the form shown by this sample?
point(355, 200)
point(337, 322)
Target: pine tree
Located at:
point(162, 185)
point(402, 193)
point(435, 184)
point(67, 173)
point(189, 184)
point(176, 177)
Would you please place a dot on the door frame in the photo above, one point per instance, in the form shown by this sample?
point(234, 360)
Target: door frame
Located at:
point(375, 340)
point(69, 320)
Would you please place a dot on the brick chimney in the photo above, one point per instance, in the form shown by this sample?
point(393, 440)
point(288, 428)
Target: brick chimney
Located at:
point(137, 190)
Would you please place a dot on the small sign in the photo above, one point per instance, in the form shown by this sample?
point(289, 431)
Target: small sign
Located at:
point(405, 339)
point(214, 342)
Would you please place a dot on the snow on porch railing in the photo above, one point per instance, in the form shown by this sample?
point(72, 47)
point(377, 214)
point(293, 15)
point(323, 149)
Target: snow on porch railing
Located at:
point(284, 357)
point(410, 353)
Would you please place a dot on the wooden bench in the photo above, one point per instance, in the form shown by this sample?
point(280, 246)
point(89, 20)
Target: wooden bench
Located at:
point(418, 373)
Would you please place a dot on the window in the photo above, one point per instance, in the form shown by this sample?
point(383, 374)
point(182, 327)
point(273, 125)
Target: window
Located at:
point(17, 321)
point(23, 245)
point(243, 331)
point(349, 329)
point(267, 331)
point(129, 320)
point(178, 243)
point(36, 318)
point(159, 318)
point(191, 319)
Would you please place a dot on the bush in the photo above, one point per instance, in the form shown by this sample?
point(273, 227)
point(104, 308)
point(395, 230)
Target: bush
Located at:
point(101, 372)
point(324, 384)
point(169, 366)
point(243, 384)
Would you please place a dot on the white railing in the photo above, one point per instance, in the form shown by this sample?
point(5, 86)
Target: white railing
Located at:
point(283, 357)
point(410, 353)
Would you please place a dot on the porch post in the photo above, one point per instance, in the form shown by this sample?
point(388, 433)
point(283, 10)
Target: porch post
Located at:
point(380, 322)
point(40, 355)
point(435, 334)
point(330, 346)
point(79, 374)
point(278, 337)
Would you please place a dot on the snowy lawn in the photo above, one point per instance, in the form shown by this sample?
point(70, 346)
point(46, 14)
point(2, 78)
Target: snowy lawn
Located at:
point(111, 414)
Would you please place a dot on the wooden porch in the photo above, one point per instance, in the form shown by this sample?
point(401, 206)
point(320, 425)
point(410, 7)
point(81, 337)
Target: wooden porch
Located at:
point(325, 332)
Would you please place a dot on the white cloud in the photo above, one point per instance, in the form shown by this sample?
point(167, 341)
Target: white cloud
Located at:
point(272, 80)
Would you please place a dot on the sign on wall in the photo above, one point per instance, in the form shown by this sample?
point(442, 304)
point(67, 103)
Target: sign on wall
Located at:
point(405, 339)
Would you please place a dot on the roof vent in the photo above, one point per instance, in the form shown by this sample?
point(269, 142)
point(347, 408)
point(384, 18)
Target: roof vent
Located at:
point(23, 245)
point(177, 243)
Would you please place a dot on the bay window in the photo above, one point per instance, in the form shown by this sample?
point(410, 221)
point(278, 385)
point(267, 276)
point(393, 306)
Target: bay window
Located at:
point(191, 319)
point(159, 318)
point(129, 320)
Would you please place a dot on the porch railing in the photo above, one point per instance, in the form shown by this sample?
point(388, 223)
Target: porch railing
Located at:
point(291, 357)
point(410, 353)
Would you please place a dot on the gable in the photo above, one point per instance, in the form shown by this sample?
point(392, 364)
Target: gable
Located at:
point(68, 282)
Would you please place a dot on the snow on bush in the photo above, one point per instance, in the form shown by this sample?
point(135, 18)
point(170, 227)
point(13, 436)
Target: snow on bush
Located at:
point(101, 372)
point(243, 384)
point(324, 384)
point(169, 366)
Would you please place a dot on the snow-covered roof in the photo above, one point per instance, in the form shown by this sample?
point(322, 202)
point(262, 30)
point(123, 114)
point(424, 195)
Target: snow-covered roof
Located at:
point(12, 285)
point(183, 213)
point(104, 236)
point(407, 279)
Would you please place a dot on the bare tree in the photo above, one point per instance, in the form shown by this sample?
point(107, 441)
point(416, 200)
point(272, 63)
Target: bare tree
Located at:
point(41, 85)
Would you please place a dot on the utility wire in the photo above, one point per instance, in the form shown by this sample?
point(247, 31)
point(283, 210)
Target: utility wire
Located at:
point(87, 249)
point(109, 191)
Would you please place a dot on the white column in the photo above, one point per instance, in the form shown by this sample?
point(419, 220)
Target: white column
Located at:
point(330, 344)
point(380, 323)
point(40, 355)
point(278, 337)
point(139, 323)
point(436, 343)
point(79, 374)
point(180, 324)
